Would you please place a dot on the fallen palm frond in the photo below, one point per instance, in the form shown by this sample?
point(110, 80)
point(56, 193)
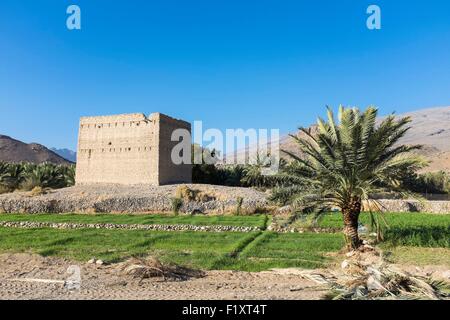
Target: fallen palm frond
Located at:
point(150, 267)
point(365, 275)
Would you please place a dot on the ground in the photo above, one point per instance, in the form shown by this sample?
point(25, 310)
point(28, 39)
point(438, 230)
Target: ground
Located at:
point(106, 282)
point(416, 242)
point(134, 198)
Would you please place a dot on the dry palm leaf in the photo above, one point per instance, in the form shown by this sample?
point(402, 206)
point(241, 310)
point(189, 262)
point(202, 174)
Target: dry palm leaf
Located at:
point(150, 267)
point(367, 276)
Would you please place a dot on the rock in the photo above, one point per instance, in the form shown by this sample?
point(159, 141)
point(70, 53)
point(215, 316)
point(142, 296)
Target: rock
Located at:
point(284, 210)
point(159, 227)
point(361, 291)
point(99, 262)
point(369, 247)
point(350, 254)
point(446, 274)
point(373, 284)
point(92, 261)
point(344, 264)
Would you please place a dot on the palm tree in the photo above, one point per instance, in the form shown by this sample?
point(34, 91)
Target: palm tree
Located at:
point(11, 175)
point(343, 163)
point(253, 175)
point(44, 175)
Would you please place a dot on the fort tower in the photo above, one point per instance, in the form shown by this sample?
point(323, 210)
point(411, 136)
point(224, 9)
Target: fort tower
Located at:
point(129, 149)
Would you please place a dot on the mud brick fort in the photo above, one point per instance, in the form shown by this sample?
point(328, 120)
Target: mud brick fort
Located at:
point(129, 149)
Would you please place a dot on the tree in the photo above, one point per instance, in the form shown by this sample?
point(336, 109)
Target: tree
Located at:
point(343, 163)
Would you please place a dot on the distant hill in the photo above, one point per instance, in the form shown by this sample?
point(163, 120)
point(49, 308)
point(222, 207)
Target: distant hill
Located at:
point(431, 128)
point(12, 150)
point(66, 154)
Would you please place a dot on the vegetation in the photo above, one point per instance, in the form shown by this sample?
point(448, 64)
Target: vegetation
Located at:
point(219, 175)
point(206, 250)
point(404, 229)
point(27, 176)
point(252, 251)
point(344, 163)
point(248, 175)
point(431, 182)
point(177, 203)
point(188, 194)
point(417, 256)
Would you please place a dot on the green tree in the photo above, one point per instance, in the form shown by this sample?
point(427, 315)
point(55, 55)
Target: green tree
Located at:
point(344, 162)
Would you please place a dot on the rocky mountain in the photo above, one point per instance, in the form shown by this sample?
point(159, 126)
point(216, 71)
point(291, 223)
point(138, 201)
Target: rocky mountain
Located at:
point(66, 154)
point(12, 150)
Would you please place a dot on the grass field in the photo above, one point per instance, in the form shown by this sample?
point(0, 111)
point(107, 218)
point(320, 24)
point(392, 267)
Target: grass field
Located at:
point(230, 250)
point(258, 220)
point(417, 256)
point(411, 237)
point(405, 229)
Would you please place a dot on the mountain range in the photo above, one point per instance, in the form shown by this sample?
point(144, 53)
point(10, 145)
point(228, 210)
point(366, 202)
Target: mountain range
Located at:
point(12, 150)
point(66, 154)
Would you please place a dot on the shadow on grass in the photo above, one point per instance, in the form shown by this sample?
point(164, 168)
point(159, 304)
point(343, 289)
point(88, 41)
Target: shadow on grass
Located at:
point(63, 241)
point(49, 252)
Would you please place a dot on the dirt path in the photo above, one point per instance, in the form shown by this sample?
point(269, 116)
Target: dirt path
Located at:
point(20, 273)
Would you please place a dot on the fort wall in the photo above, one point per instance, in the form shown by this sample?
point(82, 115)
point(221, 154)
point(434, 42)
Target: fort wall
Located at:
point(129, 149)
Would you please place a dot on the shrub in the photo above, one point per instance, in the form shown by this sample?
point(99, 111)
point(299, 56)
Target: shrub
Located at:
point(37, 191)
point(177, 203)
point(5, 189)
point(188, 194)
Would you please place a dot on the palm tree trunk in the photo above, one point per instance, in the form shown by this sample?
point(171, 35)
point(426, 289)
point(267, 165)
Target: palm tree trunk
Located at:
point(351, 215)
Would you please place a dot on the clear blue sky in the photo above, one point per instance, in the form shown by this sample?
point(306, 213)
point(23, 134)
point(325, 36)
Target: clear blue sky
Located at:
point(249, 64)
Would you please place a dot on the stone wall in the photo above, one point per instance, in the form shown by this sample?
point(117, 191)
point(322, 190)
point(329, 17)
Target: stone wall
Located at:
point(120, 198)
point(128, 149)
point(441, 207)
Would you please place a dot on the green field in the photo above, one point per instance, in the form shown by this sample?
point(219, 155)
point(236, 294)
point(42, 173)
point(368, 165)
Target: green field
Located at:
point(258, 220)
point(411, 237)
point(405, 229)
point(209, 250)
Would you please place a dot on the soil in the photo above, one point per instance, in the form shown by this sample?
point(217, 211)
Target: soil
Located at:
point(22, 276)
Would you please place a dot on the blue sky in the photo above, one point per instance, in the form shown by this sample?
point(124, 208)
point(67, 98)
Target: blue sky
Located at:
point(231, 64)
